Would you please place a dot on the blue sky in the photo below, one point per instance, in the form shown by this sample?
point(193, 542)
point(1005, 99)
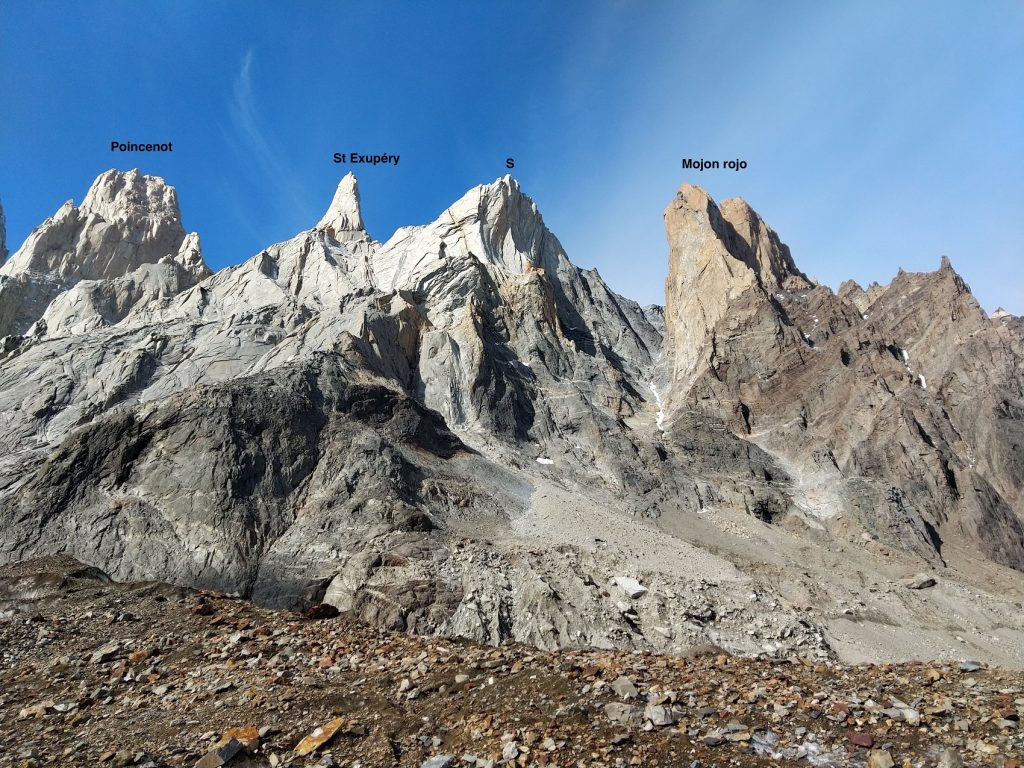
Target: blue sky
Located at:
point(877, 134)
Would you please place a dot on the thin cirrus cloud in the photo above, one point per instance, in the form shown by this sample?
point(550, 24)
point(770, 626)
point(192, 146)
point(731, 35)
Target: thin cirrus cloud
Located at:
point(250, 138)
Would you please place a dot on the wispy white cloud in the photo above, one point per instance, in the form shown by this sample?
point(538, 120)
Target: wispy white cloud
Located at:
point(251, 138)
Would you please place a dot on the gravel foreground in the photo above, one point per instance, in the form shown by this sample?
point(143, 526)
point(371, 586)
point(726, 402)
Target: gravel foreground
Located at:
point(94, 673)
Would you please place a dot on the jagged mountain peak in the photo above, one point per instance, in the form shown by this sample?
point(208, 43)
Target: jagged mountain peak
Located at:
point(503, 225)
point(494, 225)
point(693, 197)
point(861, 298)
point(120, 195)
point(693, 216)
point(765, 253)
point(126, 221)
point(190, 257)
point(945, 276)
point(716, 255)
point(504, 186)
point(494, 201)
point(344, 218)
point(320, 376)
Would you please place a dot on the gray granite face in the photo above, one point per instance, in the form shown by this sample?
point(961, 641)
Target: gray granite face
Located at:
point(458, 431)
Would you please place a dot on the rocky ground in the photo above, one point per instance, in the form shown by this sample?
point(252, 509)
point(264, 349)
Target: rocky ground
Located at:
point(96, 673)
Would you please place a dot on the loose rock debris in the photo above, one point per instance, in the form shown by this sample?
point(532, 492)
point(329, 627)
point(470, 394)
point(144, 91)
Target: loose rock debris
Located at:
point(154, 675)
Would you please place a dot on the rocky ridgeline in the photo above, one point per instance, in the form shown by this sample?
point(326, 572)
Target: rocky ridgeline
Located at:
point(97, 673)
point(457, 432)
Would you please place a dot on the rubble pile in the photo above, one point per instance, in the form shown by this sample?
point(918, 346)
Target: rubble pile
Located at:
point(94, 673)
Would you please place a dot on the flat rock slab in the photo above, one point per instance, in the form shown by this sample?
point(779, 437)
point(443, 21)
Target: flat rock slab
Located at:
point(220, 755)
point(624, 688)
point(319, 737)
point(623, 713)
point(630, 586)
point(921, 581)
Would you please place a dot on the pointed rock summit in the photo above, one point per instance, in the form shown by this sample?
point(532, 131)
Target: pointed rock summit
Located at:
point(760, 248)
point(502, 225)
point(190, 257)
point(851, 291)
point(344, 219)
point(715, 256)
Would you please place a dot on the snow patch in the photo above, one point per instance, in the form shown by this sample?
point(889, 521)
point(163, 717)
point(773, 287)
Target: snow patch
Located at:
point(906, 364)
point(661, 408)
point(543, 460)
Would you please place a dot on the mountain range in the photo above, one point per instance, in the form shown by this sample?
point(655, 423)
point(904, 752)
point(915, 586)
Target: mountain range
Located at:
point(459, 432)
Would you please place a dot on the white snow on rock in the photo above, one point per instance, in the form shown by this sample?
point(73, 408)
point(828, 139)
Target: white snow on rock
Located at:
point(543, 460)
point(906, 364)
point(661, 407)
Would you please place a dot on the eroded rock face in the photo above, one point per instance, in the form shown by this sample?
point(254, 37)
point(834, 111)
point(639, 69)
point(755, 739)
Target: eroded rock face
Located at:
point(883, 402)
point(458, 431)
point(717, 255)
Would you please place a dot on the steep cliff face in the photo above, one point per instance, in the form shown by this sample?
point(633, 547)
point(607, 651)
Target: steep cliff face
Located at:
point(882, 402)
point(717, 257)
point(459, 431)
